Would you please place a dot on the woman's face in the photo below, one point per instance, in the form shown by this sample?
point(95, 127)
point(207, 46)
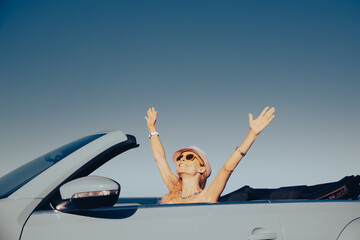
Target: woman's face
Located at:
point(187, 162)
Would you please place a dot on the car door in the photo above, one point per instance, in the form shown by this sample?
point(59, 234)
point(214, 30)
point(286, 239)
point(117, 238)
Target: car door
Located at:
point(243, 221)
point(317, 219)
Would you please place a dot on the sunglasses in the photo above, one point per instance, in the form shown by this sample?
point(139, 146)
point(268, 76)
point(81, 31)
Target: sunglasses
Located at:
point(190, 157)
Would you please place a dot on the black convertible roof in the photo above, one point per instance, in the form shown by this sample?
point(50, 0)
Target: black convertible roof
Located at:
point(347, 188)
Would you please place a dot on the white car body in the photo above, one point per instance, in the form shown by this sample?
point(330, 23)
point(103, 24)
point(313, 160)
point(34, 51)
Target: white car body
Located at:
point(29, 212)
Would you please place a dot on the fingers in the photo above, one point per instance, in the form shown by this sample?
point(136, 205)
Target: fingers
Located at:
point(250, 117)
point(154, 113)
point(151, 113)
point(267, 121)
point(269, 113)
point(271, 118)
point(264, 111)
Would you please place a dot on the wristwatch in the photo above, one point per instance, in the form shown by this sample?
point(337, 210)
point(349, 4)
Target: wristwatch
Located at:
point(153, 133)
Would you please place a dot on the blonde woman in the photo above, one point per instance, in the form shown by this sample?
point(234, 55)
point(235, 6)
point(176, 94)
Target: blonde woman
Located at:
point(193, 167)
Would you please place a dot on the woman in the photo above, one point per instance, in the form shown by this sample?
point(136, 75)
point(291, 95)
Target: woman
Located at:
point(193, 167)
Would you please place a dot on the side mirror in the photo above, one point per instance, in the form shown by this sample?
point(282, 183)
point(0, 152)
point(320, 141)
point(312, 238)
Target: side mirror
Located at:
point(88, 192)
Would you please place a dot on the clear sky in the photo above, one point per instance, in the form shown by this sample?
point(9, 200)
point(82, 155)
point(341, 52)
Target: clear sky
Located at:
point(71, 68)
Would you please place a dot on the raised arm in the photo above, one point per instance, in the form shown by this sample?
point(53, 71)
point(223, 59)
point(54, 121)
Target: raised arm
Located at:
point(158, 150)
point(256, 126)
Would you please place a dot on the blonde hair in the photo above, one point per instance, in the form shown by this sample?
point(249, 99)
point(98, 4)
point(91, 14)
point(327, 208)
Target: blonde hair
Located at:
point(176, 187)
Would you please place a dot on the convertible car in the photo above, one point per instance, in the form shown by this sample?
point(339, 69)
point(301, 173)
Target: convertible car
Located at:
point(55, 197)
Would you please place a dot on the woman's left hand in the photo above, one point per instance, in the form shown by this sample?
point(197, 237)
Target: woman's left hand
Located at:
point(262, 120)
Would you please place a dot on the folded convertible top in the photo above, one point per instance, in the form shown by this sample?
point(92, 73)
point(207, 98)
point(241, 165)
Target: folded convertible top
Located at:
point(347, 188)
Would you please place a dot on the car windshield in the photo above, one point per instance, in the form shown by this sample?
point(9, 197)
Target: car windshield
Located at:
point(15, 179)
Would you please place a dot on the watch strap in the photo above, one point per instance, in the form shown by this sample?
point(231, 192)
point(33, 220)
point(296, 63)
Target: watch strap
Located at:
point(153, 133)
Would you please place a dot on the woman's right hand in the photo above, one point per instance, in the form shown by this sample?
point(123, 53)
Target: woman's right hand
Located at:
point(151, 119)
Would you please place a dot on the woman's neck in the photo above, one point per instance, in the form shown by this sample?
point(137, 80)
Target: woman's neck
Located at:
point(190, 185)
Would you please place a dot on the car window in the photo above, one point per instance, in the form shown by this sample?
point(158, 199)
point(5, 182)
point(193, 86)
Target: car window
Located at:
point(15, 179)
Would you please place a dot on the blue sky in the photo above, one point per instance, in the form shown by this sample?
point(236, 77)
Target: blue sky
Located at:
point(71, 68)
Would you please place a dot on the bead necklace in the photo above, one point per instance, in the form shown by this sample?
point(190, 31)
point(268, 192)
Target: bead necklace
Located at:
point(195, 193)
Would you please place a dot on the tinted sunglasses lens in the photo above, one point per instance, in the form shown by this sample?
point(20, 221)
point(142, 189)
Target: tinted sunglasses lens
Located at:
point(190, 157)
point(179, 157)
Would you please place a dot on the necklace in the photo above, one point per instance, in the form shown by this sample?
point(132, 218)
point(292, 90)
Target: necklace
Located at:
point(195, 193)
